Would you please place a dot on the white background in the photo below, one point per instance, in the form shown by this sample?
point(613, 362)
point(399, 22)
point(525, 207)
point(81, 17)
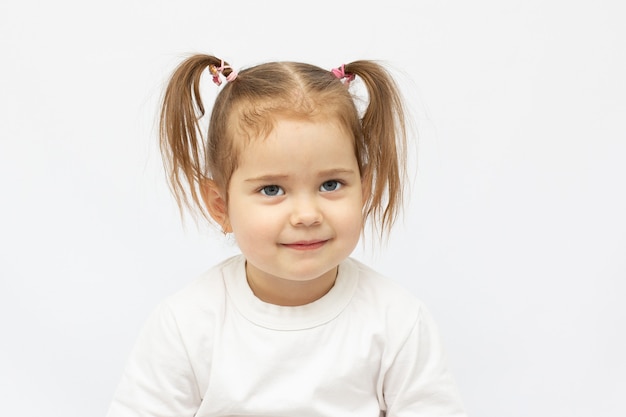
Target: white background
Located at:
point(515, 234)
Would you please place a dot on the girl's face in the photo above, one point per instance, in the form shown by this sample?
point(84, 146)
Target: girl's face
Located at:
point(295, 202)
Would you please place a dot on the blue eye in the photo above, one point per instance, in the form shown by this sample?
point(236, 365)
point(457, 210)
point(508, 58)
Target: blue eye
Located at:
point(332, 185)
point(272, 190)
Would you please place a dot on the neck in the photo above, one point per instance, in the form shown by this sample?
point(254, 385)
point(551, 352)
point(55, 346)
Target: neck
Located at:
point(285, 292)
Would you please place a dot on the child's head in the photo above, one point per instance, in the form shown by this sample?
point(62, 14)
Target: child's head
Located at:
point(256, 100)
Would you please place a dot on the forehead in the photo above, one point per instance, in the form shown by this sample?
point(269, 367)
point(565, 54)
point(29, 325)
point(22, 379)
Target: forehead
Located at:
point(297, 144)
point(254, 128)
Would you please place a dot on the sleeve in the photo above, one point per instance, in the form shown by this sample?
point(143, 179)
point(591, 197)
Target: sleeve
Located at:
point(158, 380)
point(418, 382)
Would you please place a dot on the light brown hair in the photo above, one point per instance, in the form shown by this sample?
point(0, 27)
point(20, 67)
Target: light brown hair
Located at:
point(249, 106)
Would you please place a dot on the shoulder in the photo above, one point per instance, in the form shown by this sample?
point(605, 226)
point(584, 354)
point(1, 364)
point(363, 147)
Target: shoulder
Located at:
point(380, 284)
point(384, 296)
point(204, 297)
point(392, 313)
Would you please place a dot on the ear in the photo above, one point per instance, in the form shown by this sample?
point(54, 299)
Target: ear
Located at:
point(215, 201)
point(366, 185)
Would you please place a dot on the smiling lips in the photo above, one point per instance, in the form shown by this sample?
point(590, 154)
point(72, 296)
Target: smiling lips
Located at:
point(306, 245)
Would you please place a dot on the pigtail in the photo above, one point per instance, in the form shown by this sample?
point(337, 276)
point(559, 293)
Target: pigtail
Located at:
point(181, 141)
point(384, 137)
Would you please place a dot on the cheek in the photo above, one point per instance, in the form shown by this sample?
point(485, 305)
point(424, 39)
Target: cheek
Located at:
point(244, 232)
point(350, 219)
point(252, 225)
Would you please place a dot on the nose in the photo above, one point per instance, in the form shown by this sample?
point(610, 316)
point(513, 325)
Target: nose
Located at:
point(305, 212)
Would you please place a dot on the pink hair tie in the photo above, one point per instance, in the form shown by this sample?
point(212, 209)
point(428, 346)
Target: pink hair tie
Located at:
point(233, 74)
point(341, 74)
point(216, 71)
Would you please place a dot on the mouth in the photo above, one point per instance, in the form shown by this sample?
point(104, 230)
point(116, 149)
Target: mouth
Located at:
point(306, 245)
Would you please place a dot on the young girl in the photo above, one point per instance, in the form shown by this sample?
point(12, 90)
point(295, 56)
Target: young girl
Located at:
point(292, 326)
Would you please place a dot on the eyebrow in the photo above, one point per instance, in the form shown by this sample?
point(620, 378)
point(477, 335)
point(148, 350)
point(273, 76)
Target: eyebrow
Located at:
point(279, 177)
